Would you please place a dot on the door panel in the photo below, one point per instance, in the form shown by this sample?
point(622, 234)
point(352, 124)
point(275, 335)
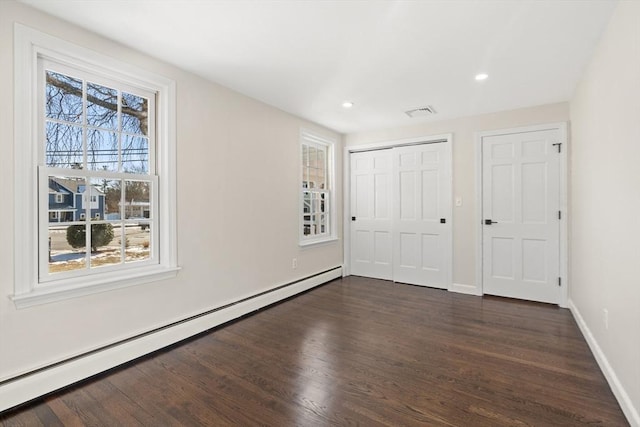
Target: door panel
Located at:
point(422, 250)
point(371, 232)
point(521, 182)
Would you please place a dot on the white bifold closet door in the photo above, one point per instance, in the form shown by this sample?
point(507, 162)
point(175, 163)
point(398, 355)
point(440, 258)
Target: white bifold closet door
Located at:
point(401, 214)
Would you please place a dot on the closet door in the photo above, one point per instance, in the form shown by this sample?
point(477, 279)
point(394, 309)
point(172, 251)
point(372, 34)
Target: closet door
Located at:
point(422, 248)
point(371, 227)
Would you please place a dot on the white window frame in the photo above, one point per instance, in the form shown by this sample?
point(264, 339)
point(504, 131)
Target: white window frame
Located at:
point(311, 138)
point(59, 198)
point(30, 46)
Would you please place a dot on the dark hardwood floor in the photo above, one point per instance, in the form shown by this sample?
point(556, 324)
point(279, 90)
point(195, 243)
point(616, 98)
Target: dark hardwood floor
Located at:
point(356, 352)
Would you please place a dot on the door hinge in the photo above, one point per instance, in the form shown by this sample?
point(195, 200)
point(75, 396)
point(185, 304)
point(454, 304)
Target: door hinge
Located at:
point(559, 145)
point(559, 281)
point(559, 214)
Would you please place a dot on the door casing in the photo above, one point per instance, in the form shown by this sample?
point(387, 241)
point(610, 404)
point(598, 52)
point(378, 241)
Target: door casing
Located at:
point(561, 127)
point(442, 138)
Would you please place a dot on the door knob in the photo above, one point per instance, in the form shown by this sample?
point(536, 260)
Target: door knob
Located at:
point(489, 222)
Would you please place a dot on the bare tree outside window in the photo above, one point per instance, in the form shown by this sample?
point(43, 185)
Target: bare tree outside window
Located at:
point(114, 131)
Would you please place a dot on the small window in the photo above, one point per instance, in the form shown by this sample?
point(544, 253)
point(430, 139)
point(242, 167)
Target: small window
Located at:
point(317, 198)
point(59, 198)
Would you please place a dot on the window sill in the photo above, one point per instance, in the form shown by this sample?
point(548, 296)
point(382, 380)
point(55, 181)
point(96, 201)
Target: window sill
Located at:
point(46, 294)
point(312, 242)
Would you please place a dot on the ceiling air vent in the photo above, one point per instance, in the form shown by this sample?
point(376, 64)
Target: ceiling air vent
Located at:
point(421, 111)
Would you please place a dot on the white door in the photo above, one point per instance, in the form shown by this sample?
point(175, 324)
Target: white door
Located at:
point(371, 214)
point(521, 224)
point(422, 214)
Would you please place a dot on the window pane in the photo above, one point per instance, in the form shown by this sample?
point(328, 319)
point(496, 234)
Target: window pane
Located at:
point(305, 155)
point(321, 158)
point(306, 202)
point(107, 192)
point(135, 114)
point(105, 244)
point(138, 242)
point(63, 97)
point(316, 203)
point(90, 201)
point(135, 154)
point(102, 150)
point(67, 248)
point(64, 199)
point(312, 157)
point(322, 181)
point(137, 200)
point(102, 106)
point(64, 146)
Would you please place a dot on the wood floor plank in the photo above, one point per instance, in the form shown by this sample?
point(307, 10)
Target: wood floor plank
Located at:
point(356, 351)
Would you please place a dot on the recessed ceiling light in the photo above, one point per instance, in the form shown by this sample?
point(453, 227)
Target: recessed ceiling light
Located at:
point(481, 76)
point(347, 104)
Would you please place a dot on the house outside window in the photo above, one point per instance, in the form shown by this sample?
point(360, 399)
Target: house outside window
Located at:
point(101, 127)
point(317, 199)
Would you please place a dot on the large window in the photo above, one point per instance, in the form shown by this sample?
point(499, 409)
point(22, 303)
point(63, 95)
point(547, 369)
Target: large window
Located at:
point(98, 145)
point(95, 144)
point(317, 198)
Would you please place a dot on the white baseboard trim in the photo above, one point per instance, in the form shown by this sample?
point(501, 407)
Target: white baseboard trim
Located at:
point(619, 392)
point(465, 289)
point(31, 386)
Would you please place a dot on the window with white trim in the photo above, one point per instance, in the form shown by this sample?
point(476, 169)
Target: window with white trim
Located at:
point(317, 199)
point(103, 133)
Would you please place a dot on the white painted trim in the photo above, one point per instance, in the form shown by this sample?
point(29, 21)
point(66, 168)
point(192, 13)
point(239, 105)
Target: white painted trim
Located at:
point(346, 210)
point(564, 175)
point(446, 138)
point(630, 411)
point(564, 208)
point(478, 211)
point(461, 288)
point(81, 286)
point(29, 387)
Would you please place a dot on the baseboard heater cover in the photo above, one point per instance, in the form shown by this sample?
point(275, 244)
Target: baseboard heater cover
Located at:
point(29, 386)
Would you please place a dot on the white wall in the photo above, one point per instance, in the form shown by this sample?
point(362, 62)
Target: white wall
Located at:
point(605, 242)
point(238, 183)
point(464, 168)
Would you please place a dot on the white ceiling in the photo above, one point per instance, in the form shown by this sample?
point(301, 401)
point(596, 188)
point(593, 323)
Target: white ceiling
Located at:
point(307, 57)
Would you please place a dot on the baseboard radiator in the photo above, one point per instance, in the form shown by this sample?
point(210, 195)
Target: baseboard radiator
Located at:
point(29, 386)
